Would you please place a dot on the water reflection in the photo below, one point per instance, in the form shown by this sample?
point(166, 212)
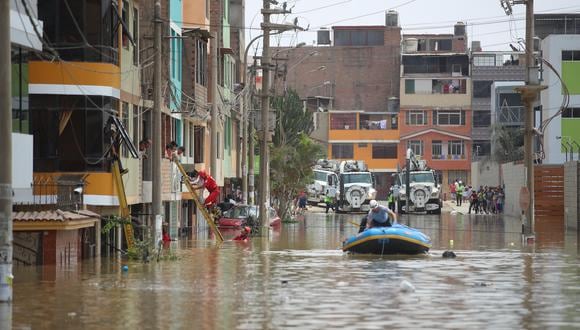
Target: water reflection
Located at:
point(299, 277)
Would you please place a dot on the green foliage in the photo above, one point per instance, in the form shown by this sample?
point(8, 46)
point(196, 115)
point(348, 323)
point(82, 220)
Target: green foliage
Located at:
point(291, 170)
point(113, 221)
point(508, 144)
point(292, 119)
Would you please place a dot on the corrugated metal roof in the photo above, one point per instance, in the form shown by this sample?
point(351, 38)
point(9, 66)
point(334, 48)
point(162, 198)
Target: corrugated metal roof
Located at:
point(54, 215)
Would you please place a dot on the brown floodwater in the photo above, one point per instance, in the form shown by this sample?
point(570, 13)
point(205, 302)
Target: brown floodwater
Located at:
point(299, 278)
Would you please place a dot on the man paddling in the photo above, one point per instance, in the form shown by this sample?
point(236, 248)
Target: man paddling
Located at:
point(380, 216)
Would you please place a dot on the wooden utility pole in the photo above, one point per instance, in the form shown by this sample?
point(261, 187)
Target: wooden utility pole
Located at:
point(157, 150)
point(5, 156)
point(531, 79)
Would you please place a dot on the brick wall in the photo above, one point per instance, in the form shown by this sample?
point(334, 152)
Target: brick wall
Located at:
point(361, 77)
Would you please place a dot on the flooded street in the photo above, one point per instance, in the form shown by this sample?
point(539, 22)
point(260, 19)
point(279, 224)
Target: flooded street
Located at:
point(299, 278)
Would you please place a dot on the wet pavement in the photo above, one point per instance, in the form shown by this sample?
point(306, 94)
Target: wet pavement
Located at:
point(299, 278)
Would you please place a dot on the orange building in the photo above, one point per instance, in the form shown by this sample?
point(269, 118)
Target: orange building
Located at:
point(435, 117)
point(369, 136)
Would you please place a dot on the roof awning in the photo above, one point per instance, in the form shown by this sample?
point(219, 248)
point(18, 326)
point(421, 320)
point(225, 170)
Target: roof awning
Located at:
point(53, 220)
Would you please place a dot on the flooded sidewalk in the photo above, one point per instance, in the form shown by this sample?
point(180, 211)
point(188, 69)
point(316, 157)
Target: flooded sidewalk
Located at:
point(299, 278)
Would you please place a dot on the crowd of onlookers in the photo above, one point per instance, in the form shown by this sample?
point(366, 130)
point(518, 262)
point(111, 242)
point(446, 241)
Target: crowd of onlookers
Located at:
point(488, 200)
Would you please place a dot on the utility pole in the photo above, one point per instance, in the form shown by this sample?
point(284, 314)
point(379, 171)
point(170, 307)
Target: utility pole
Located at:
point(214, 105)
point(251, 146)
point(529, 94)
point(5, 156)
point(157, 151)
point(264, 148)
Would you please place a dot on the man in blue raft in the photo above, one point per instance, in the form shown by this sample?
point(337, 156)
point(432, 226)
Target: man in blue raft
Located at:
point(379, 216)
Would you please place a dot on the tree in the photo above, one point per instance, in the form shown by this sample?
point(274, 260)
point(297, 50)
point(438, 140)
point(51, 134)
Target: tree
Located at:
point(291, 119)
point(291, 170)
point(508, 143)
point(293, 153)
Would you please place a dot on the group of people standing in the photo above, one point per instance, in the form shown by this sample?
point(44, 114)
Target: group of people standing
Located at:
point(488, 200)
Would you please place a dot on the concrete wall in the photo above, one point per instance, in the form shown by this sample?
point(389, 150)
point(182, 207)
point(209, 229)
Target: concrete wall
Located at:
point(22, 146)
point(485, 173)
point(571, 193)
point(514, 177)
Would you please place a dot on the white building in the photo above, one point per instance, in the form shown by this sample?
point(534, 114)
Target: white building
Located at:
point(563, 53)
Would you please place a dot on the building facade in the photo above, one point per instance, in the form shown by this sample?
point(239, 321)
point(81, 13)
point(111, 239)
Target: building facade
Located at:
point(349, 77)
point(435, 118)
point(488, 68)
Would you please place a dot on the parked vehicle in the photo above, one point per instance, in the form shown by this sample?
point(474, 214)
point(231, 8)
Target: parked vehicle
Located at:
point(246, 215)
point(423, 189)
point(356, 187)
point(325, 176)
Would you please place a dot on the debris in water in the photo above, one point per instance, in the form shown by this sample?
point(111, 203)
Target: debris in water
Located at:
point(449, 254)
point(125, 268)
point(406, 286)
point(72, 314)
point(284, 282)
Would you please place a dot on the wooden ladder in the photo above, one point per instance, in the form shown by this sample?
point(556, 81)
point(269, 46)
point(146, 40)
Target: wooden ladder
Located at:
point(125, 214)
point(208, 217)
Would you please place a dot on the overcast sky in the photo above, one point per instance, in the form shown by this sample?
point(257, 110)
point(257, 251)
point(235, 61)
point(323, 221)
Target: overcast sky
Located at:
point(486, 20)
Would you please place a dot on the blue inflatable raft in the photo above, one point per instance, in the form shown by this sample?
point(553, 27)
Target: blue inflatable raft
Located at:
point(398, 239)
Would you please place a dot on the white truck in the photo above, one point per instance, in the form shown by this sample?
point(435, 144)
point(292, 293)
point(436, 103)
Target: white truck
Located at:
point(421, 185)
point(355, 187)
point(325, 177)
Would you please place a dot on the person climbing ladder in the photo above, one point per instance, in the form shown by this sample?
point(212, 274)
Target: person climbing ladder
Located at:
point(203, 180)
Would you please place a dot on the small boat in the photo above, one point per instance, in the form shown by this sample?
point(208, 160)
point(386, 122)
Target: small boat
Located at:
point(397, 239)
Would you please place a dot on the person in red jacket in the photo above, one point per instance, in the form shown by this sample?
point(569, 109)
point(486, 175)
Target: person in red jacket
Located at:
point(244, 234)
point(203, 180)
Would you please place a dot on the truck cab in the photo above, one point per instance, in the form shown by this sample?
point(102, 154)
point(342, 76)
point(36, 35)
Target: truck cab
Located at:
point(356, 187)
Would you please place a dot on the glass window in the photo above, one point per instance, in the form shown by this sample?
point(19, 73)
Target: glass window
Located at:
point(416, 146)
point(484, 60)
point(416, 117)
point(455, 148)
point(571, 113)
point(437, 149)
point(482, 118)
point(409, 86)
point(342, 150)
point(136, 36)
point(384, 151)
point(125, 121)
point(449, 117)
point(482, 88)
point(198, 140)
point(20, 115)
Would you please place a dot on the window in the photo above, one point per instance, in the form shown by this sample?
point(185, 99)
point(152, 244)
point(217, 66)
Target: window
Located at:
point(455, 149)
point(416, 146)
point(342, 150)
point(448, 86)
point(20, 114)
point(482, 118)
point(125, 18)
point(437, 149)
point(198, 140)
point(190, 145)
point(571, 55)
point(136, 36)
point(136, 129)
point(125, 121)
point(484, 60)
point(384, 151)
point(201, 62)
point(449, 117)
point(343, 121)
point(409, 86)
point(416, 117)
point(571, 113)
point(344, 37)
point(482, 88)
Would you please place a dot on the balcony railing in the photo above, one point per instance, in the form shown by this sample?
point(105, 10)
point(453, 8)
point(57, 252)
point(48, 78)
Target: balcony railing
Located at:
point(65, 195)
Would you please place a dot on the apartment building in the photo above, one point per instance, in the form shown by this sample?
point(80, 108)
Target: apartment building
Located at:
point(349, 80)
point(435, 118)
point(560, 46)
point(495, 75)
